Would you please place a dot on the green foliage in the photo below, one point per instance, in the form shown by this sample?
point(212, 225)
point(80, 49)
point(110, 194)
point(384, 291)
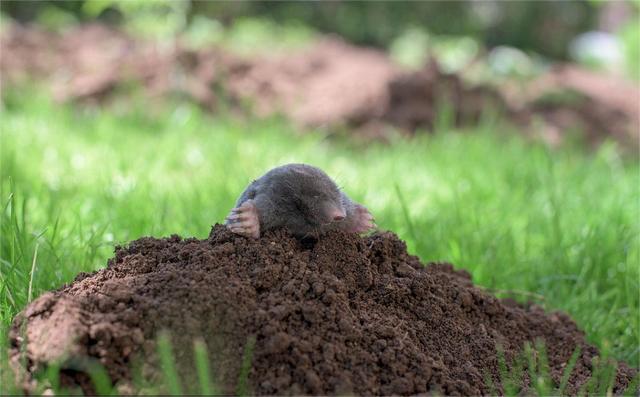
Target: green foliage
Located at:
point(630, 36)
point(49, 379)
point(519, 215)
point(247, 35)
point(92, 9)
point(600, 383)
point(543, 27)
point(454, 53)
point(55, 18)
point(255, 34)
point(410, 49)
point(159, 19)
point(519, 35)
point(510, 378)
point(541, 384)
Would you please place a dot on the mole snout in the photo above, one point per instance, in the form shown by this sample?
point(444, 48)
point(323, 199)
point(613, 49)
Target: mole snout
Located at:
point(339, 216)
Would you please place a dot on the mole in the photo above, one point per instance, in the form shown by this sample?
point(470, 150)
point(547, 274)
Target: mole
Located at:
point(301, 198)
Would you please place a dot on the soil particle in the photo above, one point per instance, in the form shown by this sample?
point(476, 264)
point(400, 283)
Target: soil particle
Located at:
point(340, 315)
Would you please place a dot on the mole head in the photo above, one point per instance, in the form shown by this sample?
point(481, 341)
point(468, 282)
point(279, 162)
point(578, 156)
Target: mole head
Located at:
point(319, 195)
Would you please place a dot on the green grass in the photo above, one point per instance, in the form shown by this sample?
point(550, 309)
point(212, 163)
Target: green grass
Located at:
point(562, 223)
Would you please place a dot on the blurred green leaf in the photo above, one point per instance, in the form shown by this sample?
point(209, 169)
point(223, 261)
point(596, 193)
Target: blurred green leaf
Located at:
point(411, 49)
point(55, 18)
point(203, 32)
point(630, 36)
point(91, 9)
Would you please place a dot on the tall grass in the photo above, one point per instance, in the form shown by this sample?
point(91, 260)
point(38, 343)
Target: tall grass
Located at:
point(562, 223)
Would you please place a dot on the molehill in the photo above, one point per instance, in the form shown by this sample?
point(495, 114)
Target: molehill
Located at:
point(340, 315)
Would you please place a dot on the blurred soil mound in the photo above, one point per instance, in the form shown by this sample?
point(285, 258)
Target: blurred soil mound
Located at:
point(328, 83)
point(341, 315)
point(571, 98)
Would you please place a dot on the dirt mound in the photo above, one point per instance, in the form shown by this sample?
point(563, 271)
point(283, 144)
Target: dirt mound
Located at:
point(343, 314)
point(86, 64)
point(328, 83)
point(569, 98)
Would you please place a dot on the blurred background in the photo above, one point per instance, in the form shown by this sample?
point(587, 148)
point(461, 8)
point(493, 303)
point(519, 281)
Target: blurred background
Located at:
point(551, 28)
point(571, 64)
point(600, 34)
point(499, 136)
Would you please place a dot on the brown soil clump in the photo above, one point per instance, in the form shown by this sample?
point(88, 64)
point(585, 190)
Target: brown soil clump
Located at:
point(343, 314)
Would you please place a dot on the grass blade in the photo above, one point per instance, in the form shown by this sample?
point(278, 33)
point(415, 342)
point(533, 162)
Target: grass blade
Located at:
point(487, 378)
point(608, 376)
point(531, 361)
point(15, 264)
point(633, 386)
point(51, 378)
point(569, 368)
point(33, 269)
point(7, 205)
point(100, 379)
point(405, 211)
point(246, 366)
point(11, 233)
point(96, 371)
point(510, 380)
point(504, 373)
point(202, 366)
point(544, 384)
point(629, 285)
point(589, 387)
point(168, 364)
point(9, 296)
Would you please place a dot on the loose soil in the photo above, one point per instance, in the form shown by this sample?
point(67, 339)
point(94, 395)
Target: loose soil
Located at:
point(340, 315)
point(328, 84)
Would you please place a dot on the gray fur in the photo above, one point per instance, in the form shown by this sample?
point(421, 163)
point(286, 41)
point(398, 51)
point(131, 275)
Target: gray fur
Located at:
point(299, 197)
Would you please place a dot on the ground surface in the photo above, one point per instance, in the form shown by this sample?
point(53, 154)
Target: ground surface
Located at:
point(560, 222)
point(343, 314)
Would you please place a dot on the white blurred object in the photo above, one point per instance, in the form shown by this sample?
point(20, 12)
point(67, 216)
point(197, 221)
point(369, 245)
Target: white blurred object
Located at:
point(598, 49)
point(510, 61)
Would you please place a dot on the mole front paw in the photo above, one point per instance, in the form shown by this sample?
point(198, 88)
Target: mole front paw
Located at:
point(363, 220)
point(244, 220)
